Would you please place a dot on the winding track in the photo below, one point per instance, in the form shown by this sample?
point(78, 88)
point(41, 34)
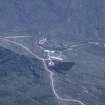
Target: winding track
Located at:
point(51, 74)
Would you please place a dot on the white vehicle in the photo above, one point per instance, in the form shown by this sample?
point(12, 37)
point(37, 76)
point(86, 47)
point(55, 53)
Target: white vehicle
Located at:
point(49, 51)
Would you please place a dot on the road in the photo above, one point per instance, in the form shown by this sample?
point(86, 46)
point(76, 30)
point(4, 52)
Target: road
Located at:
point(51, 74)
